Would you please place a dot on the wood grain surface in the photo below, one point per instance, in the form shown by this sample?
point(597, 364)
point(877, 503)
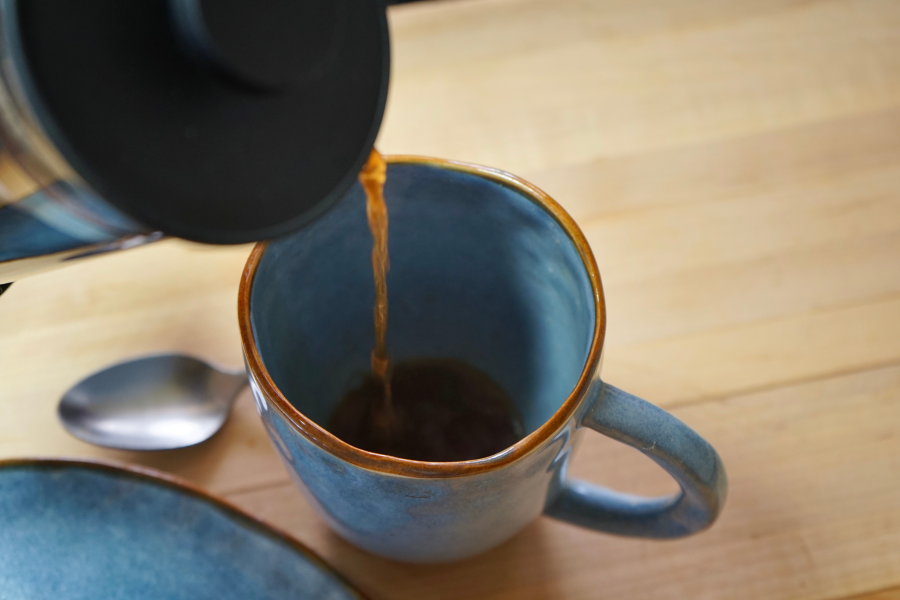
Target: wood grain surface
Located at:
point(736, 169)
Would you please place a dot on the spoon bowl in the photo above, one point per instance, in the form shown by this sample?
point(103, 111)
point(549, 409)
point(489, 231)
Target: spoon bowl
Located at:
point(158, 402)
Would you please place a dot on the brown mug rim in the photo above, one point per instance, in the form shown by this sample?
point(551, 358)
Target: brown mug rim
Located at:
point(414, 468)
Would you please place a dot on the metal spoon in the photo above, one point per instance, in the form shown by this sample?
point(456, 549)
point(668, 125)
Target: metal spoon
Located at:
point(153, 403)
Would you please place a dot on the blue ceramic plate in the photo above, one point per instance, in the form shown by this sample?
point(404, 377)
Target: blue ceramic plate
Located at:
point(76, 530)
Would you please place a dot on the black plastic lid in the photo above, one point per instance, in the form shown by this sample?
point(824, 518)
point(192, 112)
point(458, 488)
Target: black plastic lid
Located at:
point(221, 121)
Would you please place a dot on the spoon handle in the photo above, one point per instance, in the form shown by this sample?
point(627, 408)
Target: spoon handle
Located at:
point(227, 385)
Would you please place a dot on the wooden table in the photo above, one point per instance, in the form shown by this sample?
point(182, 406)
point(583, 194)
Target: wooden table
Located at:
point(736, 167)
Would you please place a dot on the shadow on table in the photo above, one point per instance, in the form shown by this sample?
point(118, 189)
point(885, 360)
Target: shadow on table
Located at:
point(517, 568)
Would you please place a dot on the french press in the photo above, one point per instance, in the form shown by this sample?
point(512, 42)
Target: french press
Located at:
point(218, 121)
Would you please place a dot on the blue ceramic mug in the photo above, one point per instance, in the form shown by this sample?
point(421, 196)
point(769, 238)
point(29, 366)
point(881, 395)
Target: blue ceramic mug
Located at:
point(487, 269)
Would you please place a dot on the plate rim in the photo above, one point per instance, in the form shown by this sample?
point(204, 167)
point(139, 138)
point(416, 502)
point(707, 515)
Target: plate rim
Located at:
point(181, 485)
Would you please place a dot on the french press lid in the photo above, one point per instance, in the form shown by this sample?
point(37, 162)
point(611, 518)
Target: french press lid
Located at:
point(220, 121)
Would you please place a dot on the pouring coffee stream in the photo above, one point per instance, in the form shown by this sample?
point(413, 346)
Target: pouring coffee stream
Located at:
point(434, 409)
point(372, 178)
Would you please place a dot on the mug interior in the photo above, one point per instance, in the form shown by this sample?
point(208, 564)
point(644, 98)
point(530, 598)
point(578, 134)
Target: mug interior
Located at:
point(479, 272)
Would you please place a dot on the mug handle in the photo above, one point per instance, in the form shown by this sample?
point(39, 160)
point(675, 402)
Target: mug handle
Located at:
point(674, 446)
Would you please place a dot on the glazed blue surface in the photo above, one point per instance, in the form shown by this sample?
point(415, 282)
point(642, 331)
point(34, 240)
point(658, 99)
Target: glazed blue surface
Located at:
point(74, 531)
point(478, 272)
point(416, 519)
point(481, 273)
point(674, 446)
